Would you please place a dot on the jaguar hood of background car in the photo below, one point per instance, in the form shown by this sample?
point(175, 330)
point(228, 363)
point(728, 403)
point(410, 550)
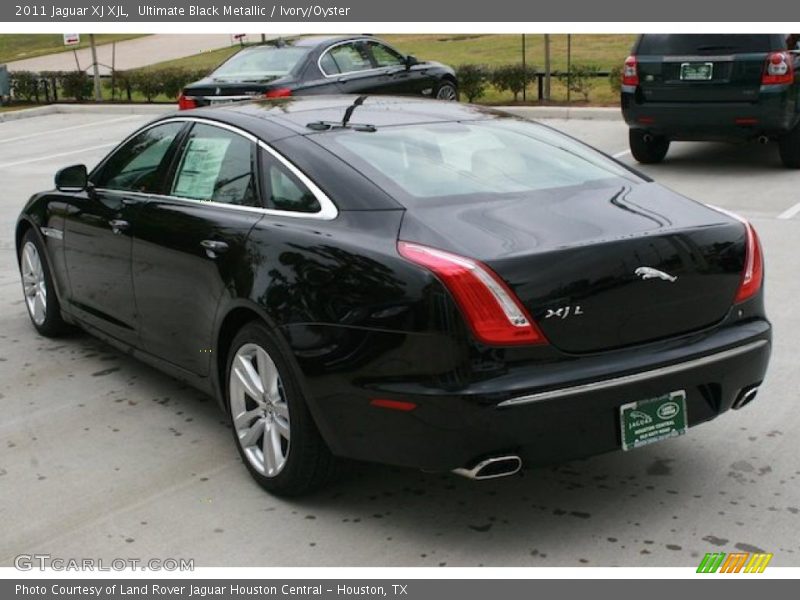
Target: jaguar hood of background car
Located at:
point(406, 281)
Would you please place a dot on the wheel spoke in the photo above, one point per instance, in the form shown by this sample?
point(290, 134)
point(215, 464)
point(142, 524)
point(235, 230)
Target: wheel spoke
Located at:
point(268, 373)
point(249, 378)
point(271, 448)
point(245, 418)
point(281, 425)
point(281, 409)
point(28, 260)
point(251, 436)
point(38, 309)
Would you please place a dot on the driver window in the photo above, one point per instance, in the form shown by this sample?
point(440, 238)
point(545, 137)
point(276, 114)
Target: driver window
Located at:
point(385, 56)
point(135, 166)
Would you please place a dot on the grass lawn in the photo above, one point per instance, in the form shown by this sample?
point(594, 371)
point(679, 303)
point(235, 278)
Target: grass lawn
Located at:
point(207, 60)
point(15, 46)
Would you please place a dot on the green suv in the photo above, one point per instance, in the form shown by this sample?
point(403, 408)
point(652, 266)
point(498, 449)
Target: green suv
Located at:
point(723, 87)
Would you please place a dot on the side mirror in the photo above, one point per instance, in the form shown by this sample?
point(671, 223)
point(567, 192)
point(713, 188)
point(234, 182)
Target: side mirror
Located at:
point(72, 179)
point(411, 61)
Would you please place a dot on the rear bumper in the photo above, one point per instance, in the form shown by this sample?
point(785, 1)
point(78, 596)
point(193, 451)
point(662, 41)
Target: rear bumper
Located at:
point(773, 114)
point(547, 413)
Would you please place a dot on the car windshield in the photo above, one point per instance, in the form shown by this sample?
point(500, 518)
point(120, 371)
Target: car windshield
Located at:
point(265, 62)
point(700, 44)
point(484, 158)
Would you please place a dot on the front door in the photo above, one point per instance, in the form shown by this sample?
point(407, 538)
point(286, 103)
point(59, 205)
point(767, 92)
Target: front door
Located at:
point(99, 228)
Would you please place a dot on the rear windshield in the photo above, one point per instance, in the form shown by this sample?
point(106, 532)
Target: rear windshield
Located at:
point(260, 63)
point(484, 158)
point(688, 43)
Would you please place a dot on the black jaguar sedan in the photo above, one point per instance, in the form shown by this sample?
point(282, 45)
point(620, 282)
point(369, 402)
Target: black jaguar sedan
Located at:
point(405, 281)
point(320, 65)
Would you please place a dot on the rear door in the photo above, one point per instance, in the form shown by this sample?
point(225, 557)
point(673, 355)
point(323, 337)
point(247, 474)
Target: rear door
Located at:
point(396, 77)
point(190, 243)
point(703, 68)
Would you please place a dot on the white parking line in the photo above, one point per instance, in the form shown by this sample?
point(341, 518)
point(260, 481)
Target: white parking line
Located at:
point(791, 212)
point(50, 131)
point(60, 154)
point(621, 154)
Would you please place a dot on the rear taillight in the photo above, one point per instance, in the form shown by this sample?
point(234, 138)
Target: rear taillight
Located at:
point(186, 102)
point(278, 93)
point(778, 69)
point(753, 273)
point(491, 309)
point(630, 72)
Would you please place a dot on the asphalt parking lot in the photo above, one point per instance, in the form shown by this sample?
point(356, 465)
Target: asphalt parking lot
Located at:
point(102, 456)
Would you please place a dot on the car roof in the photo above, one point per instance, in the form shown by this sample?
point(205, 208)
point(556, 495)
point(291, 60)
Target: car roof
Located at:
point(297, 113)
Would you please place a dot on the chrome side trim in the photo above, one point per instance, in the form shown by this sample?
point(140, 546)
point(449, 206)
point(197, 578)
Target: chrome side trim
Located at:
point(56, 234)
point(327, 212)
point(635, 377)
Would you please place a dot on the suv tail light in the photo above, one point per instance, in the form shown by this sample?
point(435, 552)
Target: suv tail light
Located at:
point(778, 69)
point(186, 102)
point(278, 93)
point(753, 273)
point(630, 71)
point(491, 309)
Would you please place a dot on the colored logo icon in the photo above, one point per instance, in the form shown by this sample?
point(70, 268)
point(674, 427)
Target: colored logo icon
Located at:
point(736, 562)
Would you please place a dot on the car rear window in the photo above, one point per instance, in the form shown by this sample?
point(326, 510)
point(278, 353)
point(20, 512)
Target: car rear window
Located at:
point(260, 63)
point(700, 44)
point(478, 158)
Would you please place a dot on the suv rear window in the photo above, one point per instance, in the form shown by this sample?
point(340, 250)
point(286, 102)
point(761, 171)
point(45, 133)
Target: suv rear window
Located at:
point(700, 44)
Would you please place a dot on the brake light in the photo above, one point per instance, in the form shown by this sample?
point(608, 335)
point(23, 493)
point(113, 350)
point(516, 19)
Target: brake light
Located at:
point(490, 308)
point(186, 102)
point(401, 405)
point(278, 93)
point(753, 273)
point(630, 72)
point(778, 70)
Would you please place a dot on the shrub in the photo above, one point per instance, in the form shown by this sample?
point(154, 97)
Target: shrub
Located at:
point(513, 78)
point(52, 79)
point(174, 79)
point(146, 83)
point(25, 85)
point(77, 85)
point(472, 80)
point(579, 79)
point(615, 78)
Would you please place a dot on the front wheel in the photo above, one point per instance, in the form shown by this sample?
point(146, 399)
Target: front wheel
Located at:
point(789, 148)
point(37, 285)
point(647, 148)
point(446, 90)
point(272, 426)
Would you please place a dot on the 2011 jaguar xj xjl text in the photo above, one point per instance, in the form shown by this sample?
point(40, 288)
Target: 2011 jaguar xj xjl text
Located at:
point(411, 282)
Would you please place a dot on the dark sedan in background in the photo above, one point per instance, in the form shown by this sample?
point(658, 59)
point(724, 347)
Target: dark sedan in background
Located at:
point(405, 281)
point(726, 87)
point(320, 65)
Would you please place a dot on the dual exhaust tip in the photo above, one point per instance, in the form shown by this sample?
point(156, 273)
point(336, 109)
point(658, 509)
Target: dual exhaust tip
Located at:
point(492, 468)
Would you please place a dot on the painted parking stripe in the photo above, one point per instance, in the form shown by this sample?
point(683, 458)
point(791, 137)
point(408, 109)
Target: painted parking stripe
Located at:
point(621, 154)
point(51, 131)
point(791, 212)
point(59, 155)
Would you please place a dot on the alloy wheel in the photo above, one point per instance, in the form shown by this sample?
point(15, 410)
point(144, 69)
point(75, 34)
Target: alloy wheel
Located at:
point(446, 92)
point(259, 409)
point(34, 283)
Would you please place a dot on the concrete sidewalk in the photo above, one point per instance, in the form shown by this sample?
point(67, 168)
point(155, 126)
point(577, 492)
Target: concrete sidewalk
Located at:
point(129, 54)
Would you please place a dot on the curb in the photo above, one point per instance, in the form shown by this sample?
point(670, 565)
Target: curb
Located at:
point(104, 109)
point(595, 113)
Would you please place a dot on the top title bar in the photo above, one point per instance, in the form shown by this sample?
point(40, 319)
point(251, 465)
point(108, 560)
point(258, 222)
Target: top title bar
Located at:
point(361, 11)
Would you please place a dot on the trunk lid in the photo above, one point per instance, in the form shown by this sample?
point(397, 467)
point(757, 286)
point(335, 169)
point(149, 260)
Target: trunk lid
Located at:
point(702, 68)
point(598, 267)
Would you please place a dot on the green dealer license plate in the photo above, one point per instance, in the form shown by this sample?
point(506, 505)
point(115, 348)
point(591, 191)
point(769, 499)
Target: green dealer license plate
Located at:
point(654, 419)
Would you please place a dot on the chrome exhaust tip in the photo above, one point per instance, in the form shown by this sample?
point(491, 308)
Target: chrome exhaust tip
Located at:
point(647, 138)
point(492, 468)
point(745, 397)
point(762, 139)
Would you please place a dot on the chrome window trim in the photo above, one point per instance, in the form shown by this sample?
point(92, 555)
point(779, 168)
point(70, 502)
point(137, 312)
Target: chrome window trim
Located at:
point(327, 212)
point(354, 41)
point(635, 377)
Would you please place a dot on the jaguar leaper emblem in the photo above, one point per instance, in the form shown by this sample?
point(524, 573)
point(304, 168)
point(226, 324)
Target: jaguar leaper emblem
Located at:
point(651, 273)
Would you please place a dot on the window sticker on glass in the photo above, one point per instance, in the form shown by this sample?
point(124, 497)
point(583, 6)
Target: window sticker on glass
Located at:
point(200, 168)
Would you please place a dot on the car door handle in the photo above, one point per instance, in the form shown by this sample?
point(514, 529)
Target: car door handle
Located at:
point(118, 225)
point(214, 247)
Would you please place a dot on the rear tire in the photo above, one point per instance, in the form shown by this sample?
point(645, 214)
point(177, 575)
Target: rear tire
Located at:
point(37, 285)
point(789, 148)
point(647, 151)
point(272, 426)
point(446, 90)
